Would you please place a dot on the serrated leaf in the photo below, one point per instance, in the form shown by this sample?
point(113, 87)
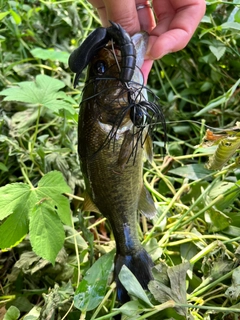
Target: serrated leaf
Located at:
point(50, 54)
point(42, 92)
point(191, 171)
point(131, 284)
point(46, 232)
point(44, 206)
point(92, 288)
point(51, 186)
point(10, 196)
point(15, 228)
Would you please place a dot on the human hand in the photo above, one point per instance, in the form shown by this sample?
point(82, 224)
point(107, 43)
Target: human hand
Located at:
point(176, 22)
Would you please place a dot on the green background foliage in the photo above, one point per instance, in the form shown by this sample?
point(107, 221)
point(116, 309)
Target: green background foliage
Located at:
point(52, 254)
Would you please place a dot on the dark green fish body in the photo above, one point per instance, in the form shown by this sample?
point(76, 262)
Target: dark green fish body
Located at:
point(111, 155)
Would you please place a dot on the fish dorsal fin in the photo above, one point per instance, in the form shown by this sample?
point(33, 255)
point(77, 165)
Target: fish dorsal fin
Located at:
point(146, 205)
point(148, 148)
point(88, 204)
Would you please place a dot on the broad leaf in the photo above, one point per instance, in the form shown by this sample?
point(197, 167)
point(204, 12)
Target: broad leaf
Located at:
point(52, 186)
point(177, 289)
point(50, 54)
point(44, 206)
point(46, 232)
point(92, 288)
point(11, 196)
point(216, 219)
point(131, 284)
point(42, 92)
point(132, 308)
point(191, 171)
point(13, 313)
point(218, 51)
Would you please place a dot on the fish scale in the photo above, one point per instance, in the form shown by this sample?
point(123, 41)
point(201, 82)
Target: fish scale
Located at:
point(111, 152)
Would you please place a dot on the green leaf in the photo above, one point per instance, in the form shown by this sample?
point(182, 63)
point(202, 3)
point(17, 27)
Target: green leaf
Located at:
point(11, 196)
point(237, 16)
point(71, 236)
point(33, 314)
point(44, 206)
point(12, 314)
point(52, 186)
point(218, 51)
point(3, 167)
point(3, 14)
point(43, 92)
point(219, 100)
point(191, 171)
point(231, 25)
point(132, 308)
point(229, 190)
point(16, 17)
point(92, 288)
point(216, 219)
point(46, 232)
point(131, 284)
point(177, 290)
point(233, 292)
point(50, 54)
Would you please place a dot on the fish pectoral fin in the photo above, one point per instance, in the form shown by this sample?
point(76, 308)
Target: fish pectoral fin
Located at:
point(148, 148)
point(126, 149)
point(146, 204)
point(88, 204)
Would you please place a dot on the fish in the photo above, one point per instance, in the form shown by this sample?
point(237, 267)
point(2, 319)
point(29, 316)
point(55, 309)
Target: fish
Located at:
point(113, 139)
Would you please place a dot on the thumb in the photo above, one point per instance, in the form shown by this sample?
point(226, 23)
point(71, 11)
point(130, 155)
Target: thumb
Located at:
point(123, 12)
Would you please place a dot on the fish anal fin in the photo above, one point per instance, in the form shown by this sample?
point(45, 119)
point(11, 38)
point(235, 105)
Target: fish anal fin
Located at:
point(148, 148)
point(88, 204)
point(146, 204)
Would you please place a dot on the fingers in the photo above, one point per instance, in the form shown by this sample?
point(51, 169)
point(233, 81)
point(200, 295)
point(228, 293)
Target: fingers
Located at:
point(100, 6)
point(123, 12)
point(145, 15)
point(146, 67)
point(177, 21)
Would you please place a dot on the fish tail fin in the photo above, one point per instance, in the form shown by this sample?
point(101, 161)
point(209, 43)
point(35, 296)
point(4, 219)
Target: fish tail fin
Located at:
point(140, 264)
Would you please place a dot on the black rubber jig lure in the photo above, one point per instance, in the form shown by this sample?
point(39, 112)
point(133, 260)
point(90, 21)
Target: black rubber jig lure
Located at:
point(81, 57)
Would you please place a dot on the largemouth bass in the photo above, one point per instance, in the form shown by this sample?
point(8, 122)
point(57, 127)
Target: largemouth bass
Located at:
point(113, 135)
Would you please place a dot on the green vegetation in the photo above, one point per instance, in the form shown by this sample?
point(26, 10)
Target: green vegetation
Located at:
point(55, 262)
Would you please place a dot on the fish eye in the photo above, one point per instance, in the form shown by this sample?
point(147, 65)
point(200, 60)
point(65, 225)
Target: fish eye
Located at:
point(100, 67)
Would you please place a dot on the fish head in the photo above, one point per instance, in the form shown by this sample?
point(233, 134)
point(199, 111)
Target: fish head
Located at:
point(109, 94)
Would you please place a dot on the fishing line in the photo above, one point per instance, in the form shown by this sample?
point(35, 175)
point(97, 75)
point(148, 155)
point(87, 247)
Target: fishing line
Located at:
point(198, 122)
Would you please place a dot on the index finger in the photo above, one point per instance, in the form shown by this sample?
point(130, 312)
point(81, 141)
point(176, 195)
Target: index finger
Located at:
point(177, 21)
